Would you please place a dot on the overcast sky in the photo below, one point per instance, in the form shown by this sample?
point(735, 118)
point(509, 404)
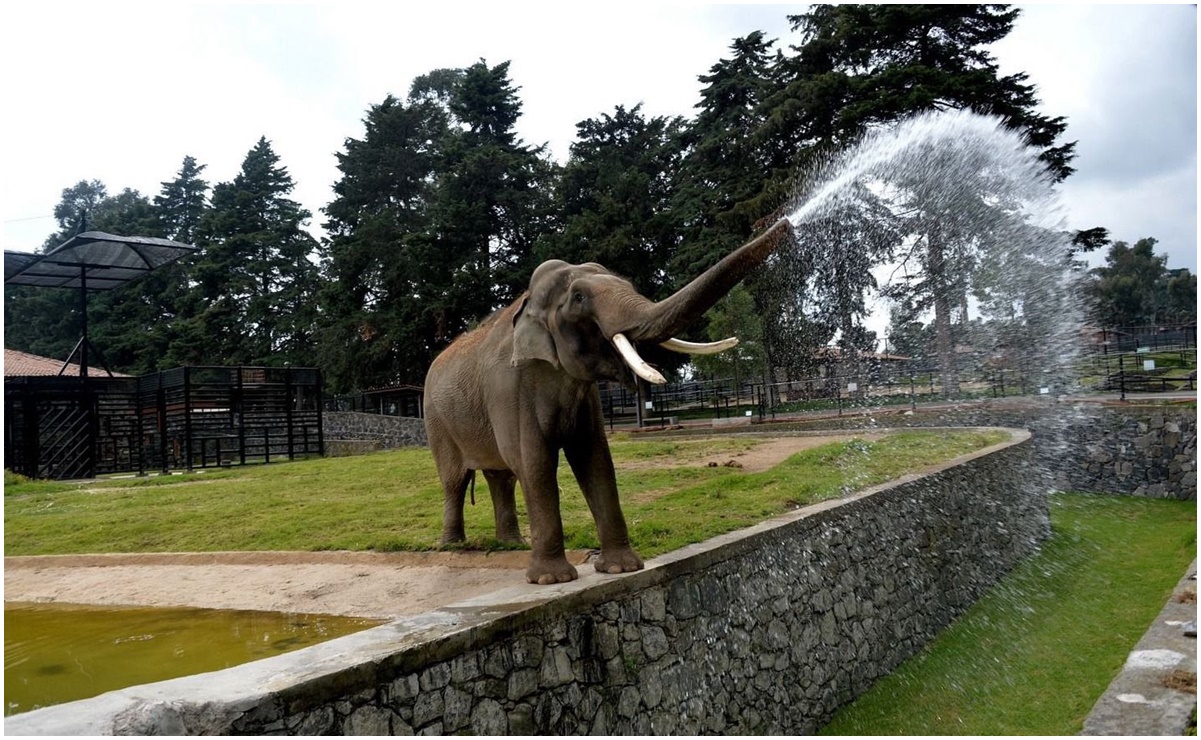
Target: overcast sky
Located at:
point(121, 93)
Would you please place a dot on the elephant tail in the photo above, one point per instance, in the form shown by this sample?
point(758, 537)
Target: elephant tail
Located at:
point(472, 487)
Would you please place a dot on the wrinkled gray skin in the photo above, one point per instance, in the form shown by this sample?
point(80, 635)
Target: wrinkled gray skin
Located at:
point(505, 398)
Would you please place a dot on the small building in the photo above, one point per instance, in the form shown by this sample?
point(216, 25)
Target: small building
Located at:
point(58, 424)
point(67, 426)
point(401, 399)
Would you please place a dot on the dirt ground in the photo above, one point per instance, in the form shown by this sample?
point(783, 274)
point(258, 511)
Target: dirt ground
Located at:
point(363, 584)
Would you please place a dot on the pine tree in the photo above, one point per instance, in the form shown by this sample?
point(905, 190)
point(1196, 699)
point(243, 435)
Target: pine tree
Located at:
point(254, 297)
point(615, 198)
point(1132, 286)
point(489, 204)
point(181, 203)
point(724, 189)
point(379, 249)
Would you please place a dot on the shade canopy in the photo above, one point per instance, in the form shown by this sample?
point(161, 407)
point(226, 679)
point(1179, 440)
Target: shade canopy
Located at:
point(93, 260)
point(15, 262)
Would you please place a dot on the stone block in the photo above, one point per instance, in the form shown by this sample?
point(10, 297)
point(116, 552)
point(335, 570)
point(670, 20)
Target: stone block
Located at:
point(489, 718)
point(369, 720)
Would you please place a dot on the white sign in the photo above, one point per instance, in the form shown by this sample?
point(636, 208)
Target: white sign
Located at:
point(1148, 364)
point(1143, 349)
point(748, 413)
point(1044, 391)
point(649, 406)
point(852, 387)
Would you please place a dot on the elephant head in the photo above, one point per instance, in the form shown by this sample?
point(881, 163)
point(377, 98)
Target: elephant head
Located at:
point(589, 322)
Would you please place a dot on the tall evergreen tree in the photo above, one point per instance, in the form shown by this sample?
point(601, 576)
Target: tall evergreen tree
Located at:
point(254, 297)
point(490, 201)
point(433, 227)
point(379, 227)
point(615, 198)
point(1131, 287)
point(723, 189)
point(1179, 305)
point(181, 203)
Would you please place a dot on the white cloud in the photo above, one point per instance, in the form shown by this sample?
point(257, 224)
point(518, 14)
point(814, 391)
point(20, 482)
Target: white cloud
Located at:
point(1125, 77)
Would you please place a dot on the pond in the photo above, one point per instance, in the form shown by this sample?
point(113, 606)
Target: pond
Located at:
point(56, 653)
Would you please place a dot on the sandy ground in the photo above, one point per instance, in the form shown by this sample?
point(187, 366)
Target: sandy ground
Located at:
point(363, 584)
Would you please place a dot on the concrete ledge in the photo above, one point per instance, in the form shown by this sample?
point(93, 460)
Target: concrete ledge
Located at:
point(1144, 698)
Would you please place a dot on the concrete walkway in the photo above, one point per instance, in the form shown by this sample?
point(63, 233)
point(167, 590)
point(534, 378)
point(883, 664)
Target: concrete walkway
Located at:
point(1151, 695)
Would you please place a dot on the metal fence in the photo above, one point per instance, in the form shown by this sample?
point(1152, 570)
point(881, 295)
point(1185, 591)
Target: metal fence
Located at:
point(1108, 360)
point(1135, 359)
point(185, 418)
point(1142, 359)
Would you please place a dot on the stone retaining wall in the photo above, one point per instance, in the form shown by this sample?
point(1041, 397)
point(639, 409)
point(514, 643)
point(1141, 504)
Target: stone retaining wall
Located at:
point(387, 432)
point(1126, 449)
point(766, 630)
point(1140, 451)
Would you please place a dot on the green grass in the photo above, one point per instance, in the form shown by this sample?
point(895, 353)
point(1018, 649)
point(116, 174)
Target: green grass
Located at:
point(392, 500)
point(1035, 654)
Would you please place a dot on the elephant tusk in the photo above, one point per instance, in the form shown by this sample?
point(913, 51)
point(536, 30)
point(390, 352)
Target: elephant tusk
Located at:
point(636, 363)
point(703, 348)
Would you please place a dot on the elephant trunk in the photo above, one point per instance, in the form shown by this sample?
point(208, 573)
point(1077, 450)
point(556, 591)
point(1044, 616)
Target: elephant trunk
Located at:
point(682, 309)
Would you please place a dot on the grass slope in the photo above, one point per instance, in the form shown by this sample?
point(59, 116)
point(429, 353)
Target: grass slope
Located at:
point(1035, 654)
point(392, 500)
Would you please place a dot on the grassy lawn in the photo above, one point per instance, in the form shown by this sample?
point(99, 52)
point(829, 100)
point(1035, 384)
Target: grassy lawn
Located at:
point(392, 500)
point(1035, 654)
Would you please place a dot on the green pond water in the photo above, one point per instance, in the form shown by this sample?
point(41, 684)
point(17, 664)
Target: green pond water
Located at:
point(55, 653)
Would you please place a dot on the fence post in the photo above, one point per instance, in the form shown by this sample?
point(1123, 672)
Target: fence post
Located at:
point(187, 417)
point(1121, 379)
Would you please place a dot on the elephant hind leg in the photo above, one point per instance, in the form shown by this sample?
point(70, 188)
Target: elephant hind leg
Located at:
point(454, 487)
point(502, 484)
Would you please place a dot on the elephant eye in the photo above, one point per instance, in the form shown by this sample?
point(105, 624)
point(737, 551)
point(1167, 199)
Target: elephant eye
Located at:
point(577, 297)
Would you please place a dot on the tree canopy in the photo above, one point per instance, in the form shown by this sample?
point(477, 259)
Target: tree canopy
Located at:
point(440, 213)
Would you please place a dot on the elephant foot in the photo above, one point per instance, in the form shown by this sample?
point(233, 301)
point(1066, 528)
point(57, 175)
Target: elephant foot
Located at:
point(620, 560)
point(547, 571)
point(510, 538)
point(452, 538)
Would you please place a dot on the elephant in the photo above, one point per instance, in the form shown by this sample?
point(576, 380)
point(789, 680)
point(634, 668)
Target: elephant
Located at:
point(506, 397)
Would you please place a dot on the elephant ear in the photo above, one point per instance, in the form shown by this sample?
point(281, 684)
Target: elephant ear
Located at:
point(532, 339)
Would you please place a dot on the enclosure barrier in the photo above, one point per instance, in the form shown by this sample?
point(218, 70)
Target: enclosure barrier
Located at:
point(766, 630)
point(180, 419)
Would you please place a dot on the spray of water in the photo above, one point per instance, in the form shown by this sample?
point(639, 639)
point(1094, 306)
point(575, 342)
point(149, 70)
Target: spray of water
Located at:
point(936, 153)
point(950, 206)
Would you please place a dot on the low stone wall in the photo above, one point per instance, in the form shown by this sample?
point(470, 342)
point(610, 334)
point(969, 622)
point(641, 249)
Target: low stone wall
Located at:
point(1141, 451)
point(1126, 449)
point(766, 630)
point(386, 432)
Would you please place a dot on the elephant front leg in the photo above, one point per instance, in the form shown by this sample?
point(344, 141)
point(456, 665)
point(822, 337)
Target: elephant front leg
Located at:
point(548, 559)
point(592, 464)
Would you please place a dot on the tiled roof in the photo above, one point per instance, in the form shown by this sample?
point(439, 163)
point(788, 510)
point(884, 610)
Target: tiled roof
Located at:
point(23, 364)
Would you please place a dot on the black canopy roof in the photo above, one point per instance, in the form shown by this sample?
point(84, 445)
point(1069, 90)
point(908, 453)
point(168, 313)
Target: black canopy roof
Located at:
point(14, 262)
point(93, 260)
